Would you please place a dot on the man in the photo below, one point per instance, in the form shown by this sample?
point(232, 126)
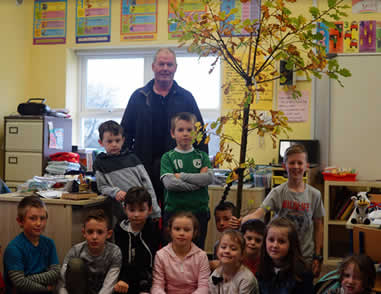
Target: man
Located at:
point(146, 120)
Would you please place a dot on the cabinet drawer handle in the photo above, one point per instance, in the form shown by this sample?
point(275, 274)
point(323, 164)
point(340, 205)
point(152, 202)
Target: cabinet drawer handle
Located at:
point(12, 160)
point(13, 130)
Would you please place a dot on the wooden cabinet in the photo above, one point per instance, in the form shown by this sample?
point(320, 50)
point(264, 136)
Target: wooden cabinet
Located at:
point(337, 237)
point(28, 144)
point(251, 199)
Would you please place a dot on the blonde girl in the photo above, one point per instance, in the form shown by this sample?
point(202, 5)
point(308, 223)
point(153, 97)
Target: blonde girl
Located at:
point(232, 276)
point(181, 267)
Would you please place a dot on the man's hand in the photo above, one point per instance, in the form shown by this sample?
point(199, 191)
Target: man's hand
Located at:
point(177, 175)
point(235, 223)
point(204, 170)
point(121, 287)
point(120, 196)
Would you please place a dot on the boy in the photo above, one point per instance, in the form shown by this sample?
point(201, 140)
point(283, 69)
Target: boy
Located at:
point(139, 239)
point(253, 232)
point(223, 215)
point(93, 265)
point(30, 260)
point(117, 172)
point(299, 202)
point(185, 176)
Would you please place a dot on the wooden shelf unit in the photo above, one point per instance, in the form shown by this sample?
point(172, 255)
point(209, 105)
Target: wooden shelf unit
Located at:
point(337, 237)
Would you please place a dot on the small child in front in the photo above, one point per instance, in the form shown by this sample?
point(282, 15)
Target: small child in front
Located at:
point(225, 219)
point(30, 260)
point(93, 265)
point(139, 239)
point(253, 232)
point(357, 275)
point(282, 268)
point(185, 175)
point(181, 267)
point(232, 276)
point(116, 171)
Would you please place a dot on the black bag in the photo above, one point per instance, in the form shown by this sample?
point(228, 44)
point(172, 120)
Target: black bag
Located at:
point(33, 108)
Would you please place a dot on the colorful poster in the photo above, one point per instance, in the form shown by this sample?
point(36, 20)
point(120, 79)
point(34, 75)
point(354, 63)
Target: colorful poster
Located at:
point(351, 37)
point(235, 96)
point(49, 22)
point(247, 10)
point(138, 20)
point(295, 109)
point(365, 6)
point(323, 29)
point(93, 21)
point(378, 36)
point(336, 38)
point(190, 7)
point(368, 36)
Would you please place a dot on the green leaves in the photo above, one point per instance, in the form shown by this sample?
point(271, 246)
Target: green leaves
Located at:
point(344, 72)
point(314, 11)
point(332, 3)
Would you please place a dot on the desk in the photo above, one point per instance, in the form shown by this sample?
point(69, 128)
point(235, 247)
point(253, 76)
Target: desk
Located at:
point(251, 199)
point(64, 220)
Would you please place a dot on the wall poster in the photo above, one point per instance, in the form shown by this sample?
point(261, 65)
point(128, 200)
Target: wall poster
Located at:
point(93, 21)
point(49, 22)
point(138, 20)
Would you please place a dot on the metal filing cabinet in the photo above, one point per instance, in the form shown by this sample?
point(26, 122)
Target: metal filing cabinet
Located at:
point(27, 147)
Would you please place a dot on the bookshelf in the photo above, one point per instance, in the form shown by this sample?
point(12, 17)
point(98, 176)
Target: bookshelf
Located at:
point(337, 237)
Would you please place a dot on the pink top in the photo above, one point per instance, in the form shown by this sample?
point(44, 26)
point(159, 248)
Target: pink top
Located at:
point(173, 275)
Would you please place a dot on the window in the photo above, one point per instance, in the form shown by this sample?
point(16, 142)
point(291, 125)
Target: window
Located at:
point(107, 80)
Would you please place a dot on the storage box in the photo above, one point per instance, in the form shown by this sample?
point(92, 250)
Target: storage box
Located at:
point(335, 177)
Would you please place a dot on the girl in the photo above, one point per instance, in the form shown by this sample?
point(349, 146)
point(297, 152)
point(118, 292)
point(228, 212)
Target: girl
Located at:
point(282, 269)
point(357, 275)
point(231, 276)
point(181, 267)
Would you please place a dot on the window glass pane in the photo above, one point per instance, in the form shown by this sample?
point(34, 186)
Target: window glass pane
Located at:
point(214, 143)
point(90, 131)
point(193, 74)
point(110, 82)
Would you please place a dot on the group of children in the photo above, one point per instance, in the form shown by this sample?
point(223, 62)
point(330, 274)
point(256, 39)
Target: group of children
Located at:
point(250, 257)
point(256, 259)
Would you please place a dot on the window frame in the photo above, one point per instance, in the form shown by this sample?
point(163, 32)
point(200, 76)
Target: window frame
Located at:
point(84, 56)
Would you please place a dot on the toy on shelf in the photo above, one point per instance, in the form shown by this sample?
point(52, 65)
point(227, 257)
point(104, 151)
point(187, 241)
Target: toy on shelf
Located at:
point(361, 211)
point(339, 174)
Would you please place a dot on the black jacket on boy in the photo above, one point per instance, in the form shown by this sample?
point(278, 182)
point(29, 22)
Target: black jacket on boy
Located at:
point(138, 251)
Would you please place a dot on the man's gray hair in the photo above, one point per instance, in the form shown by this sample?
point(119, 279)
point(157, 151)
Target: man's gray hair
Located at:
point(169, 50)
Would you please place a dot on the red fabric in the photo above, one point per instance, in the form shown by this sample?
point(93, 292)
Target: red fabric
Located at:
point(2, 284)
point(65, 156)
point(252, 265)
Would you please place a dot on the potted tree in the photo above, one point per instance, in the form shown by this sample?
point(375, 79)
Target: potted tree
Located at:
point(252, 48)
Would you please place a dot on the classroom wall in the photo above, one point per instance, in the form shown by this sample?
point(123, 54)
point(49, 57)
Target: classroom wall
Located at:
point(15, 60)
point(50, 70)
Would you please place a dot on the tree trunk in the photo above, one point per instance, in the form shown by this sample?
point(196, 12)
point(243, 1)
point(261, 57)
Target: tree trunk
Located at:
point(242, 157)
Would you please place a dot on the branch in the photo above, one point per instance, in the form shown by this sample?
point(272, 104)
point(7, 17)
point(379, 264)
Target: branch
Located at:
point(225, 51)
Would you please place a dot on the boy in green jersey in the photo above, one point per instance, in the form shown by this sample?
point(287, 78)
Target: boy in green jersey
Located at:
point(185, 175)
